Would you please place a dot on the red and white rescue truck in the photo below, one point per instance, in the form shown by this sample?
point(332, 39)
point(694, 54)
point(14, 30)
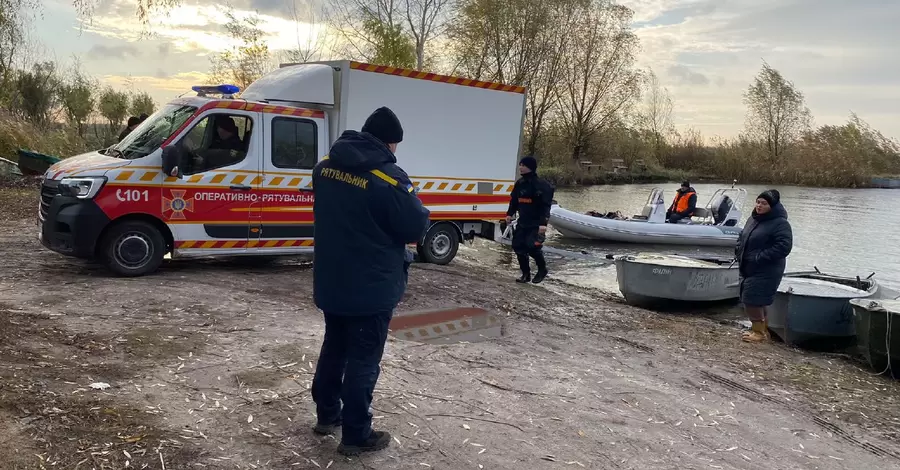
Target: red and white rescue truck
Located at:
point(250, 194)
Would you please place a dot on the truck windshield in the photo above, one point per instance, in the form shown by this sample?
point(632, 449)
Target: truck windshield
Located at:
point(148, 136)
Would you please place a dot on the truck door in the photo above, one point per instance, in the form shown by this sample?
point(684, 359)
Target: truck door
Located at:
point(211, 210)
point(293, 145)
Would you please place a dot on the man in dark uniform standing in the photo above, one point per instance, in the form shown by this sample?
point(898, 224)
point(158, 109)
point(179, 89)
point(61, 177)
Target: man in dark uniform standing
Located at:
point(531, 197)
point(366, 212)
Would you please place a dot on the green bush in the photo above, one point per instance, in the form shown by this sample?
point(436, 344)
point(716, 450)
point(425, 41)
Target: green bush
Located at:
point(54, 140)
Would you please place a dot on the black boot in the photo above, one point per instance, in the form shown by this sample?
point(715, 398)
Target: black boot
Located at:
point(327, 429)
point(378, 440)
point(523, 265)
point(541, 265)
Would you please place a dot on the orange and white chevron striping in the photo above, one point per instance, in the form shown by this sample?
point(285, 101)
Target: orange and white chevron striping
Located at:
point(449, 185)
point(459, 328)
point(224, 244)
point(137, 175)
point(153, 176)
point(266, 108)
point(435, 77)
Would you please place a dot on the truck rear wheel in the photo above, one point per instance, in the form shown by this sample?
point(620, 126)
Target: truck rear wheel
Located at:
point(440, 245)
point(133, 248)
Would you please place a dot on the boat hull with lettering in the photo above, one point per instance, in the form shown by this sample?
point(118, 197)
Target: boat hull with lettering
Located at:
point(653, 280)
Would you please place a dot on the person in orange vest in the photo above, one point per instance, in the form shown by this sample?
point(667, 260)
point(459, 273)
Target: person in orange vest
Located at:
point(684, 205)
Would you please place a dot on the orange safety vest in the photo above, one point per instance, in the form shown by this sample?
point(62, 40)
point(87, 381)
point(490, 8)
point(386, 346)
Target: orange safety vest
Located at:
point(680, 204)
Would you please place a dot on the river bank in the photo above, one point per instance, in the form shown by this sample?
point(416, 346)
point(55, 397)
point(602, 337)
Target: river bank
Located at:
point(209, 364)
point(573, 178)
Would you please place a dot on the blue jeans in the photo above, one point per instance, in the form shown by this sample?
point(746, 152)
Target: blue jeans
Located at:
point(347, 371)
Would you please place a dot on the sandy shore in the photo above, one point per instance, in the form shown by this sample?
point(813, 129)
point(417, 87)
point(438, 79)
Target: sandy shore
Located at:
point(209, 365)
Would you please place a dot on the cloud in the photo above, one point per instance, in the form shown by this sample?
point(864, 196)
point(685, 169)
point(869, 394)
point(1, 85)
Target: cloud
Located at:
point(102, 52)
point(161, 88)
point(706, 52)
point(834, 51)
point(687, 76)
point(307, 10)
point(200, 27)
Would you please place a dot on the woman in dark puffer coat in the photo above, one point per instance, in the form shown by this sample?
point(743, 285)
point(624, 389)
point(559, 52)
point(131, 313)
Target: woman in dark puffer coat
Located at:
point(762, 250)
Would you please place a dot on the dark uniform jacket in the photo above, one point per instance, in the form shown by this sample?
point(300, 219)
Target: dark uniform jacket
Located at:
point(532, 198)
point(762, 251)
point(366, 212)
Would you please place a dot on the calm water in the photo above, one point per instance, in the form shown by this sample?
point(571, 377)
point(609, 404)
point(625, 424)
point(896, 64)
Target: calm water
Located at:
point(841, 231)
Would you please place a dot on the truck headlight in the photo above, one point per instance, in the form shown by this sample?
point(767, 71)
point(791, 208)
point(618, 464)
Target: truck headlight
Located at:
point(82, 188)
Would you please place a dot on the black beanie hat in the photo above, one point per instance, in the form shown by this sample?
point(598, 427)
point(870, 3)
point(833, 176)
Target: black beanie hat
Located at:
point(384, 125)
point(772, 196)
point(529, 162)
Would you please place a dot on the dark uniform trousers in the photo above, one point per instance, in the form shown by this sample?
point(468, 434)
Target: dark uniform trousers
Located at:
point(528, 241)
point(532, 198)
point(347, 371)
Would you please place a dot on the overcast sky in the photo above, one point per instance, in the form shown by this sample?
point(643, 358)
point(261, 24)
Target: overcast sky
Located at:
point(840, 53)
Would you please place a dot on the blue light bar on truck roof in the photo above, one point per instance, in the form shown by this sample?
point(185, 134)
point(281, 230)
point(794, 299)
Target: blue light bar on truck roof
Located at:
point(224, 89)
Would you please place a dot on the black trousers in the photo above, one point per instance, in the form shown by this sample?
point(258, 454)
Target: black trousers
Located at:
point(528, 241)
point(348, 368)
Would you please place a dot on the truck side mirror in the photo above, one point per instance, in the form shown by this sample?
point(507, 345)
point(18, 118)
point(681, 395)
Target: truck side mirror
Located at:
point(172, 161)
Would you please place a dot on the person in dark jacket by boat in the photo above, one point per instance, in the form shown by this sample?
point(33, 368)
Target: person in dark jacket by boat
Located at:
point(133, 122)
point(366, 212)
point(684, 205)
point(762, 251)
point(532, 198)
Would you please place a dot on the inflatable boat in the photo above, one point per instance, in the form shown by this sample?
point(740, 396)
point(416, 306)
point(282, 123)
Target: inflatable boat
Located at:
point(716, 224)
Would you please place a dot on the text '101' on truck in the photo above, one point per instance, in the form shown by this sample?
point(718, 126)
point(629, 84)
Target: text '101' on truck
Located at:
point(246, 189)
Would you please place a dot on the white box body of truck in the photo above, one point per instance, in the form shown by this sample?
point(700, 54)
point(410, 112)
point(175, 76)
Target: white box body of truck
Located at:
point(125, 206)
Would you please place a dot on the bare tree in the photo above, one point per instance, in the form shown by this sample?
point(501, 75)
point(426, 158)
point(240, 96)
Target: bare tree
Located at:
point(15, 17)
point(373, 28)
point(517, 42)
point(143, 8)
point(349, 19)
point(426, 21)
point(776, 111)
point(600, 80)
point(543, 84)
point(246, 62)
point(313, 43)
point(656, 116)
point(495, 40)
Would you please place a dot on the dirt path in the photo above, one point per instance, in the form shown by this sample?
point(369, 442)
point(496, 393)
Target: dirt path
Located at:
point(209, 366)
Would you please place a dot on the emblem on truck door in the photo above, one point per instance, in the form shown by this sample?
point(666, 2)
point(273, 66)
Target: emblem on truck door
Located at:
point(177, 205)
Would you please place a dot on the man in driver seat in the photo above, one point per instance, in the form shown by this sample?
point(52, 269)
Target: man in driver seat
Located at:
point(684, 205)
point(227, 133)
point(225, 149)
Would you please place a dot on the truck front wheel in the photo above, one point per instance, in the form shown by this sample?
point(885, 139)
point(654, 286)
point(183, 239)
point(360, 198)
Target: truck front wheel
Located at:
point(440, 244)
point(133, 248)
